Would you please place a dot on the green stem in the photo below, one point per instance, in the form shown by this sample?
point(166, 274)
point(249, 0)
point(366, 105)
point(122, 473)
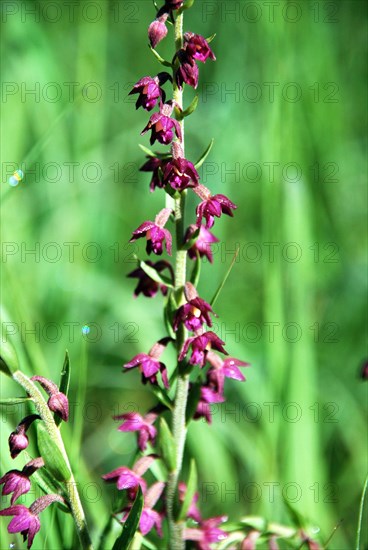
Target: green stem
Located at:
point(55, 436)
point(178, 421)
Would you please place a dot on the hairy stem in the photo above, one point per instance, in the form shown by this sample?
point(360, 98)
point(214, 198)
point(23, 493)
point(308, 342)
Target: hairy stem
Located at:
point(55, 436)
point(178, 422)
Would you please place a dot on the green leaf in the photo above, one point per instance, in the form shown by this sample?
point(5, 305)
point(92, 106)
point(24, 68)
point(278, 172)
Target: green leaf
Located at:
point(360, 520)
point(155, 275)
point(131, 524)
point(146, 150)
point(201, 159)
point(49, 485)
point(297, 519)
point(192, 107)
point(51, 454)
point(196, 273)
point(193, 399)
point(162, 397)
point(169, 311)
point(222, 284)
point(167, 445)
point(159, 58)
point(191, 489)
point(210, 38)
point(15, 400)
point(64, 382)
point(8, 357)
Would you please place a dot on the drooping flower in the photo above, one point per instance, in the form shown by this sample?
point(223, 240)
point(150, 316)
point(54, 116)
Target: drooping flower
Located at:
point(195, 313)
point(147, 286)
point(157, 30)
point(250, 541)
point(212, 206)
point(17, 482)
point(202, 244)
point(18, 440)
point(26, 520)
point(193, 511)
point(223, 368)
point(149, 364)
point(207, 396)
point(149, 90)
point(156, 166)
point(58, 401)
point(150, 518)
point(163, 126)
point(126, 478)
point(207, 533)
point(200, 347)
point(134, 422)
point(180, 173)
point(187, 71)
point(197, 47)
point(155, 233)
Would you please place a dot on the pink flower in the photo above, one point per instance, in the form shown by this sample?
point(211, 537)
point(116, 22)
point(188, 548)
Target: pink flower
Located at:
point(200, 347)
point(150, 518)
point(202, 244)
point(147, 286)
point(221, 369)
point(17, 482)
point(134, 422)
point(131, 479)
point(163, 126)
point(149, 364)
point(207, 533)
point(155, 233)
point(193, 511)
point(24, 522)
point(197, 47)
point(208, 396)
point(157, 30)
point(149, 90)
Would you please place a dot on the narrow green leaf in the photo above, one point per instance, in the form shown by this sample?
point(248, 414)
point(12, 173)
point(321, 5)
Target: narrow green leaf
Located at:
point(169, 311)
point(196, 273)
point(64, 382)
point(15, 400)
point(218, 291)
point(201, 159)
point(8, 357)
point(159, 58)
point(155, 275)
point(162, 397)
point(146, 150)
point(187, 4)
point(192, 107)
point(210, 38)
point(193, 399)
point(148, 544)
point(296, 518)
point(50, 452)
point(167, 445)
point(360, 520)
point(131, 524)
point(191, 489)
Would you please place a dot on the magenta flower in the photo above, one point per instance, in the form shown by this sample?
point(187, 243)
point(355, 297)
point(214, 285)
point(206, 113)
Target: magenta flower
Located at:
point(134, 422)
point(187, 72)
point(200, 347)
point(155, 233)
point(197, 47)
point(193, 511)
point(208, 533)
point(131, 479)
point(156, 166)
point(208, 396)
point(180, 173)
point(163, 126)
point(149, 365)
point(147, 286)
point(58, 401)
point(195, 313)
point(221, 369)
point(18, 440)
point(17, 482)
point(212, 206)
point(149, 90)
point(202, 244)
point(150, 518)
point(157, 30)
point(26, 520)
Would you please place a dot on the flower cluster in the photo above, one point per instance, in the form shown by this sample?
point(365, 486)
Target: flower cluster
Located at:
point(17, 482)
point(188, 316)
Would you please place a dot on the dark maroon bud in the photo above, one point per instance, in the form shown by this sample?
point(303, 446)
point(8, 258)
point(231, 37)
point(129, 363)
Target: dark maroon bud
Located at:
point(157, 30)
point(187, 72)
point(18, 440)
point(58, 401)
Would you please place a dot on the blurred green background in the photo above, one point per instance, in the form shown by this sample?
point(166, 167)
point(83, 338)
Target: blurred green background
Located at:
point(286, 104)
